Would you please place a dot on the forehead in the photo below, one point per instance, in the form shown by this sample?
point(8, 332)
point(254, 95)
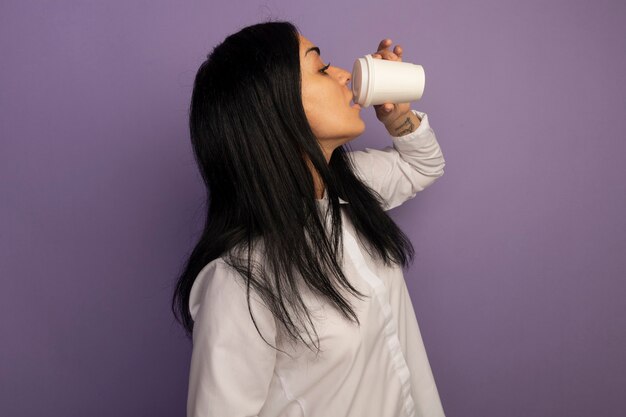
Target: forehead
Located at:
point(305, 43)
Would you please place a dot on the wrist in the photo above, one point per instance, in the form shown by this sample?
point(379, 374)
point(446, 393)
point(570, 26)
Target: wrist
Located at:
point(403, 125)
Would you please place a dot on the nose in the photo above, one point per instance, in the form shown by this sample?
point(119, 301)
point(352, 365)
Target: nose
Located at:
point(345, 76)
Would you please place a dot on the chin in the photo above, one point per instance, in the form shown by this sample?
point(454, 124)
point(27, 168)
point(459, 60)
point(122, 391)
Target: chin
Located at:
point(361, 125)
point(359, 128)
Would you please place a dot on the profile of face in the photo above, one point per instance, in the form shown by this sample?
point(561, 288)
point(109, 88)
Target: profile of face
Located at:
point(327, 100)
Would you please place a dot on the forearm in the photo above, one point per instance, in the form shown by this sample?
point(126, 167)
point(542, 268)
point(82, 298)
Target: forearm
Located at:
point(404, 124)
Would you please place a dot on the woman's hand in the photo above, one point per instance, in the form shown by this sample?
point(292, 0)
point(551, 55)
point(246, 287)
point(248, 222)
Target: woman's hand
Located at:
point(387, 113)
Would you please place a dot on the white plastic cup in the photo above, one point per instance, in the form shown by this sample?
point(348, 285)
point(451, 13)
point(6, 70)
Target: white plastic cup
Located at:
point(378, 81)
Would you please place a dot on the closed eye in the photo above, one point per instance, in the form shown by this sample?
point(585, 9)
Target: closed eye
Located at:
point(323, 70)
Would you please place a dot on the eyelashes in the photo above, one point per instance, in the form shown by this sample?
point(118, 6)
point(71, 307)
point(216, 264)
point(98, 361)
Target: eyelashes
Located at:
point(323, 70)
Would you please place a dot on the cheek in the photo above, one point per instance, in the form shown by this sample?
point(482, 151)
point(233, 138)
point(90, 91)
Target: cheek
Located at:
point(323, 106)
point(315, 102)
point(311, 90)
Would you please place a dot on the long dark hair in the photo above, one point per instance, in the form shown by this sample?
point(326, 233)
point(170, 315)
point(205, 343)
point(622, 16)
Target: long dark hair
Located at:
point(251, 139)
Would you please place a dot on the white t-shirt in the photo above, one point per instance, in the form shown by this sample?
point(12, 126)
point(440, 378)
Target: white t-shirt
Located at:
point(379, 369)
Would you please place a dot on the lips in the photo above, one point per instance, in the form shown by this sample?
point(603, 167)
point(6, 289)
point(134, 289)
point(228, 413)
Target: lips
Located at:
point(353, 104)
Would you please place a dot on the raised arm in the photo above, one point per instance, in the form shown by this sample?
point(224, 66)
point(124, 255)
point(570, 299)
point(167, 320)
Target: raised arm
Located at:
point(398, 172)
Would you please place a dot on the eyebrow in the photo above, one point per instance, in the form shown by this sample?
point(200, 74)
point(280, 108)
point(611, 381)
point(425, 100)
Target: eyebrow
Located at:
point(313, 48)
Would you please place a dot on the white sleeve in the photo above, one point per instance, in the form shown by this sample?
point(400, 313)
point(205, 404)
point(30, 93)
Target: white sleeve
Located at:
point(231, 366)
point(399, 172)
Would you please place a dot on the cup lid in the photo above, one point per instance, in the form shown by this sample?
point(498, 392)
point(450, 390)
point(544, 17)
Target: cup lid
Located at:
point(362, 79)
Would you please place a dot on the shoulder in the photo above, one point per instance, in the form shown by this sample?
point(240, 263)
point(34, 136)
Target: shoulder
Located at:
point(214, 282)
point(220, 289)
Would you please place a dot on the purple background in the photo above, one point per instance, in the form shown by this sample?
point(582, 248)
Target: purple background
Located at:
point(519, 281)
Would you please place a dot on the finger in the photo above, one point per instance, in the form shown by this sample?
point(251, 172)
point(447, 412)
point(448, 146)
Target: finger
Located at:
point(385, 43)
point(387, 55)
point(398, 51)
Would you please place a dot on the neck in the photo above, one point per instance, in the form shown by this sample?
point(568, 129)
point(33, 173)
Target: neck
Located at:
point(319, 191)
point(317, 182)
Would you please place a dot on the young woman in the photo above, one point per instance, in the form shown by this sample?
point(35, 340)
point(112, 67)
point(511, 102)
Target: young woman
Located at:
point(294, 295)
